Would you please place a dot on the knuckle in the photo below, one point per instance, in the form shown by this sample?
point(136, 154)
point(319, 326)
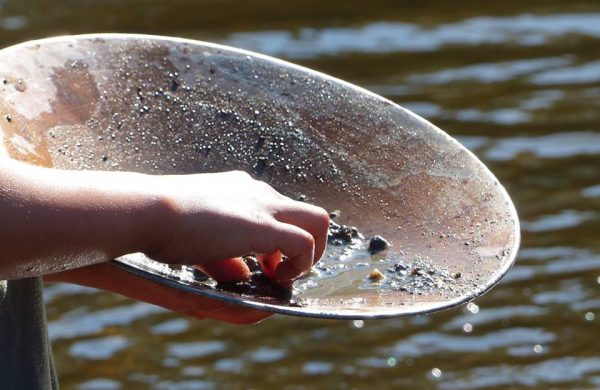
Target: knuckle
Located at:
point(266, 187)
point(241, 174)
point(307, 240)
point(319, 218)
point(322, 217)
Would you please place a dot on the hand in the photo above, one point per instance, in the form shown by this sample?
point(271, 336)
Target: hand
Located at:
point(107, 277)
point(210, 217)
point(79, 218)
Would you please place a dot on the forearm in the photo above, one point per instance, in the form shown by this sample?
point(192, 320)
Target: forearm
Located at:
point(52, 220)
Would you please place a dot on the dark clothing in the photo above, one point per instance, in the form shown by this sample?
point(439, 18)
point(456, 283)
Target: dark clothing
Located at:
point(26, 357)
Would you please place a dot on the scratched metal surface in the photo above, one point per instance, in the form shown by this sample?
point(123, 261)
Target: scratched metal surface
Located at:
point(163, 106)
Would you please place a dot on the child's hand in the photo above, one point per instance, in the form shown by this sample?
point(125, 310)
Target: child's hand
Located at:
point(108, 277)
point(205, 218)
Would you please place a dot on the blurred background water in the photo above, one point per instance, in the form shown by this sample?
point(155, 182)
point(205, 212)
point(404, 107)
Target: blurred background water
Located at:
point(516, 82)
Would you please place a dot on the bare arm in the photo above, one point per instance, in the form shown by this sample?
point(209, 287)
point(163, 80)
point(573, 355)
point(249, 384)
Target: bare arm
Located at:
point(53, 220)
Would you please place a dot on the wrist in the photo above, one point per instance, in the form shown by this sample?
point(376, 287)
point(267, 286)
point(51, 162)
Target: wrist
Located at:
point(154, 222)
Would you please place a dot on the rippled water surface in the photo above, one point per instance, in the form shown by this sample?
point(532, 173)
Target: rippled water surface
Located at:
point(517, 84)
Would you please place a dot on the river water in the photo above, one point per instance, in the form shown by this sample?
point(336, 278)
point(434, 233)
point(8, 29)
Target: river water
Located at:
point(518, 84)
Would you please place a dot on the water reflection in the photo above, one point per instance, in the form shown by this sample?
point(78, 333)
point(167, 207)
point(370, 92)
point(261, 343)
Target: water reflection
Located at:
point(100, 348)
point(490, 316)
point(433, 343)
point(387, 37)
point(81, 322)
point(581, 74)
point(100, 383)
point(13, 22)
point(174, 326)
point(564, 220)
point(591, 192)
point(491, 72)
point(267, 355)
point(195, 350)
point(559, 145)
point(556, 371)
point(317, 368)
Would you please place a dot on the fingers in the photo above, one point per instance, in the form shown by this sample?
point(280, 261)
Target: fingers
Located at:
point(313, 219)
point(227, 270)
point(299, 246)
point(302, 241)
point(268, 263)
point(300, 233)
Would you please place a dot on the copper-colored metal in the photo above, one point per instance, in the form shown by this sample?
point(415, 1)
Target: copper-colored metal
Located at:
point(163, 105)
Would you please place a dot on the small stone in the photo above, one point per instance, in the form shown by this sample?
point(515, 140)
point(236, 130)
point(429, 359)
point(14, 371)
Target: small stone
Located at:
point(377, 244)
point(346, 233)
point(457, 275)
point(334, 214)
point(376, 275)
point(398, 268)
point(417, 272)
point(342, 232)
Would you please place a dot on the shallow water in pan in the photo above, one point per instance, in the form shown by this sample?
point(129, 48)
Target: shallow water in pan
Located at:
point(517, 84)
point(352, 280)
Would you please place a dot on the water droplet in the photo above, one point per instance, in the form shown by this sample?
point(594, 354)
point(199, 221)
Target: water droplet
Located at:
point(473, 308)
point(436, 372)
point(358, 324)
point(590, 316)
point(538, 348)
point(391, 362)
point(467, 328)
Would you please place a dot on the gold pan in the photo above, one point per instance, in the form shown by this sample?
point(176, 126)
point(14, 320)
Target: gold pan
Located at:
point(172, 106)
